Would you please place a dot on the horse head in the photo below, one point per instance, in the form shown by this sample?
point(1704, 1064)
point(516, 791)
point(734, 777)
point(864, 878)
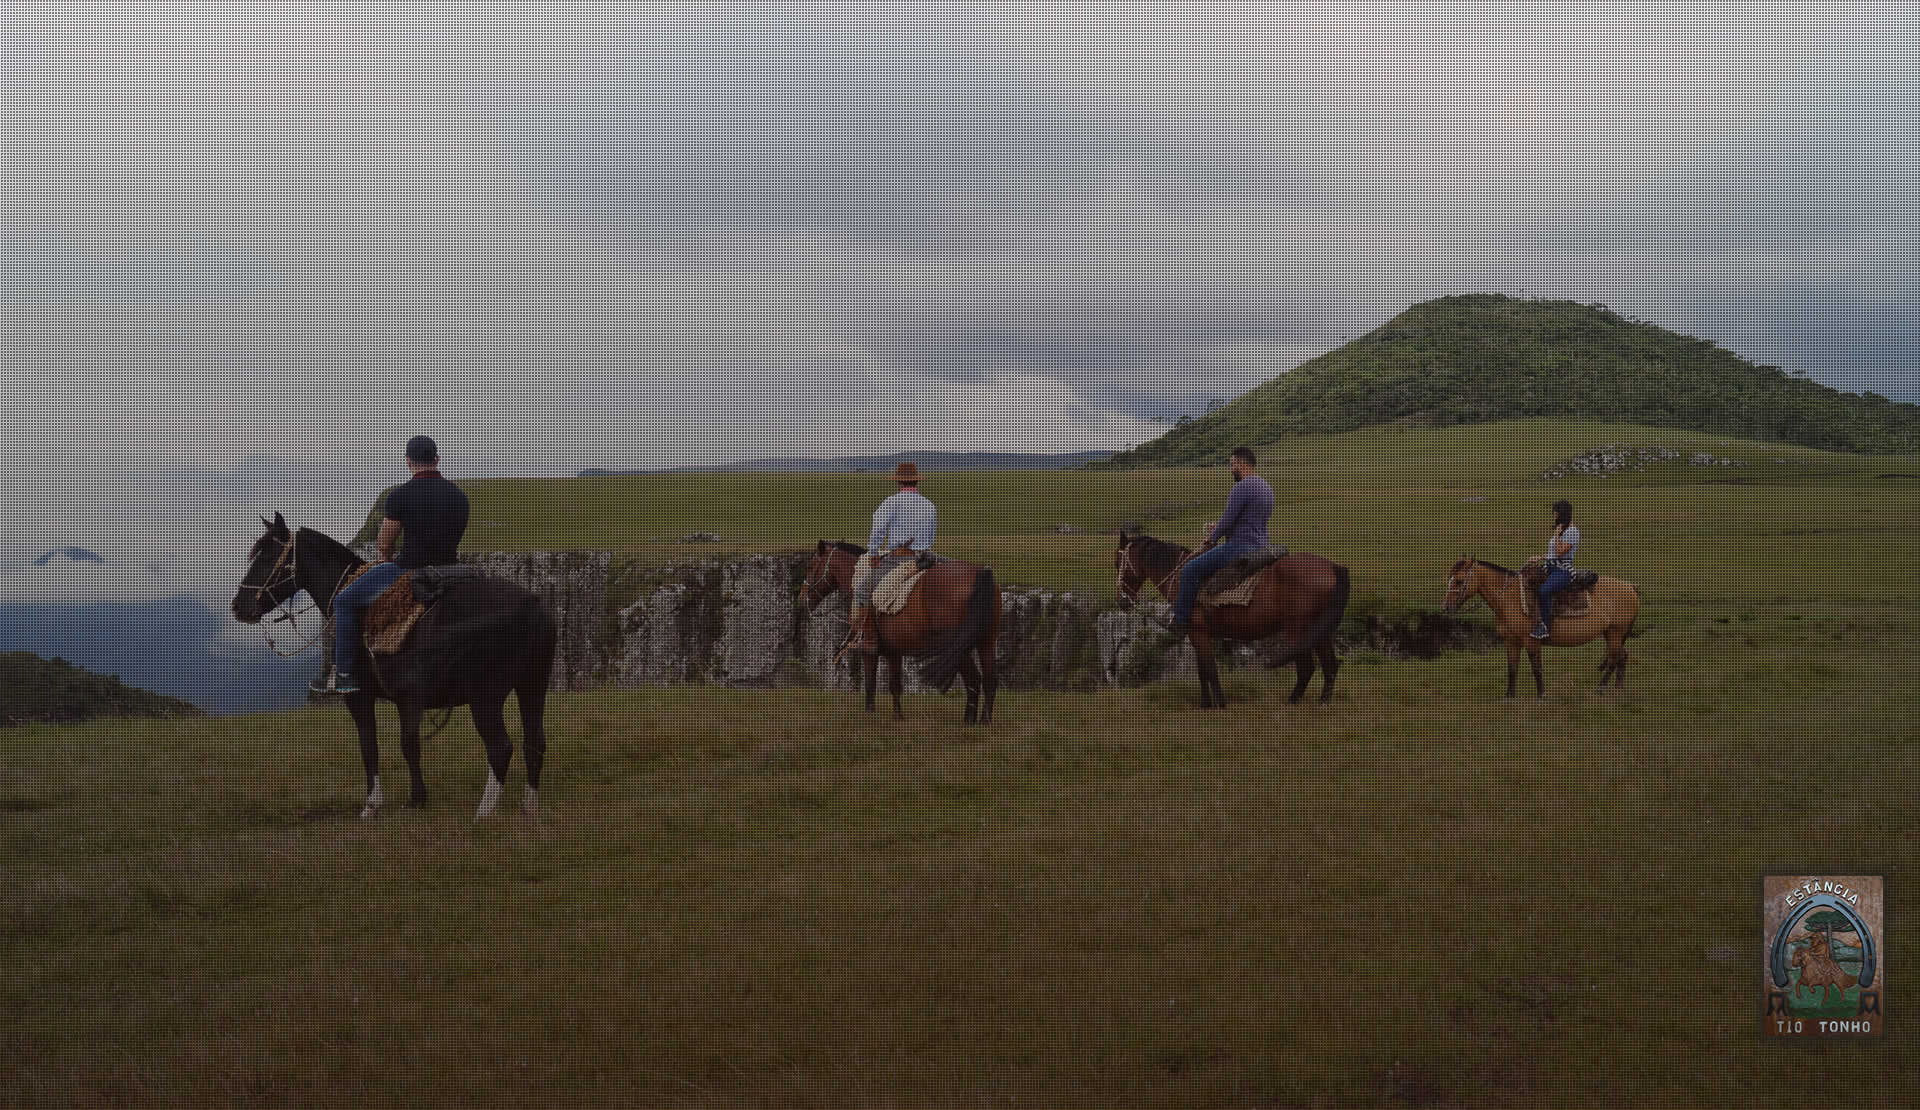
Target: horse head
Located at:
point(824, 574)
point(1462, 583)
point(270, 581)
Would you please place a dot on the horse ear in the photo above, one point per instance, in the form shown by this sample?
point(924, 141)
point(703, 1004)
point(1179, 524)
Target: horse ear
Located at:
point(279, 526)
point(822, 549)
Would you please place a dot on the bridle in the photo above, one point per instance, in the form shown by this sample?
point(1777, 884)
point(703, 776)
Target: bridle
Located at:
point(1131, 594)
point(1468, 592)
point(286, 572)
point(811, 589)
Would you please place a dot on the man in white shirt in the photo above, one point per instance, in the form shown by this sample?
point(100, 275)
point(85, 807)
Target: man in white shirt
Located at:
point(1560, 548)
point(903, 528)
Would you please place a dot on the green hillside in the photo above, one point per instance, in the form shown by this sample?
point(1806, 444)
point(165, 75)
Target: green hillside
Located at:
point(1480, 358)
point(53, 691)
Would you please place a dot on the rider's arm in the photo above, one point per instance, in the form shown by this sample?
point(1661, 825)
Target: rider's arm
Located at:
point(1236, 505)
point(389, 538)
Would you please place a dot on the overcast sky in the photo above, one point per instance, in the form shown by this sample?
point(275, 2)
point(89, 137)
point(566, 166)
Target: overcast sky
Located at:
point(581, 236)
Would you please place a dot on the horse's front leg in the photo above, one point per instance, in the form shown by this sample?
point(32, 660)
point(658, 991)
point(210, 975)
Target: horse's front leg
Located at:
point(410, 747)
point(360, 707)
point(1513, 664)
point(894, 684)
point(1539, 678)
point(1211, 693)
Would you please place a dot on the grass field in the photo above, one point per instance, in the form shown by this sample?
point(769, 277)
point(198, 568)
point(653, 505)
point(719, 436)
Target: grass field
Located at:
point(1417, 895)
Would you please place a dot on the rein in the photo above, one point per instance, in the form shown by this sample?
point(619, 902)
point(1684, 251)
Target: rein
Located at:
point(1128, 564)
point(815, 595)
point(289, 560)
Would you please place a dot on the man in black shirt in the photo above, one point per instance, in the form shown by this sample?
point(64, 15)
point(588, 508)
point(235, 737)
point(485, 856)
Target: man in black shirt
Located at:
point(431, 512)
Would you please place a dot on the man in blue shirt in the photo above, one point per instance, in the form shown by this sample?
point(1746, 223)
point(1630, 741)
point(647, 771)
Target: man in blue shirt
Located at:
point(903, 528)
point(433, 514)
point(1241, 530)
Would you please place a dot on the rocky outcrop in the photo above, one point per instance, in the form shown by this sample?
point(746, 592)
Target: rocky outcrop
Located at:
point(1615, 459)
point(738, 622)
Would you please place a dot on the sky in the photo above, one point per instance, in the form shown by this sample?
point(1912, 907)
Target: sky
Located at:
point(246, 251)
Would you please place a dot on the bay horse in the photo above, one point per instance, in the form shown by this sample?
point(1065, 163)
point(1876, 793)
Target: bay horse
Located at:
point(1615, 606)
point(951, 619)
point(484, 638)
point(1301, 595)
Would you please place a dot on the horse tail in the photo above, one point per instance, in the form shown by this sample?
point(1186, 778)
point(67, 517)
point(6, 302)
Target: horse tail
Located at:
point(944, 663)
point(1331, 614)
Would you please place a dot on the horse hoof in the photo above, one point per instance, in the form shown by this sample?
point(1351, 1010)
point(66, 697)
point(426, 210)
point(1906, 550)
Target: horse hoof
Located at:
point(368, 813)
point(489, 798)
point(530, 802)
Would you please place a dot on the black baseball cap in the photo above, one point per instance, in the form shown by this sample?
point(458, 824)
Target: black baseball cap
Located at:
point(423, 449)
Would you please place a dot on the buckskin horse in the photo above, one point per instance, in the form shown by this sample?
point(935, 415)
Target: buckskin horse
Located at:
point(1611, 612)
point(1300, 595)
point(951, 619)
point(484, 638)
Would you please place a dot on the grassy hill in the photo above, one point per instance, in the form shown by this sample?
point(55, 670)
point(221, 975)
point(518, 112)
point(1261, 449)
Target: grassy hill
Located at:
point(1479, 358)
point(1396, 504)
point(53, 691)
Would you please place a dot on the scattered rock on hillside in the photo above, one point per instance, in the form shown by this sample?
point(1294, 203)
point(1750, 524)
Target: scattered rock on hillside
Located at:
point(1615, 458)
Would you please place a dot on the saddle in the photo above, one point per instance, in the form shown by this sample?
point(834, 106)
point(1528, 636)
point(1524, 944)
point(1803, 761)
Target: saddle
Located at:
point(890, 594)
point(388, 622)
point(1233, 584)
point(1574, 601)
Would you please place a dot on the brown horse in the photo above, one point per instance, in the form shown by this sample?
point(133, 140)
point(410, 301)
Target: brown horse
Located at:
point(1303, 596)
point(951, 618)
point(1615, 605)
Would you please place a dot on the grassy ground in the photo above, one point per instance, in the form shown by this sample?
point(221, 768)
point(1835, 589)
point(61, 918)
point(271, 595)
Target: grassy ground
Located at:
point(1417, 895)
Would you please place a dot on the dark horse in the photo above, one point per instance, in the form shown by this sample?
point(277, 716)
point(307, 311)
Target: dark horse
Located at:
point(483, 639)
point(952, 617)
point(1303, 596)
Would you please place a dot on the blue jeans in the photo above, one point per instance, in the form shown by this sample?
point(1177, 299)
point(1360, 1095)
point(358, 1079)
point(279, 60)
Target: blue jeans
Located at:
point(359, 594)
point(1197, 570)
point(1557, 580)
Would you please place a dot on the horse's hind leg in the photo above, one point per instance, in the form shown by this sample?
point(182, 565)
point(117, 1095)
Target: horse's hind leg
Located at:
point(533, 707)
point(1615, 663)
point(1303, 672)
point(989, 683)
point(895, 682)
point(490, 721)
point(871, 663)
point(360, 707)
point(1329, 666)
point(970, 674)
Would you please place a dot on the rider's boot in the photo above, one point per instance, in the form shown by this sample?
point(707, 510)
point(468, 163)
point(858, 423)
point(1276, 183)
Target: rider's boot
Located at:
point(860, 633)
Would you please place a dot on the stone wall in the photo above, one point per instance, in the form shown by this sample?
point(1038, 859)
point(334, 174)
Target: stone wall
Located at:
point(738, 622)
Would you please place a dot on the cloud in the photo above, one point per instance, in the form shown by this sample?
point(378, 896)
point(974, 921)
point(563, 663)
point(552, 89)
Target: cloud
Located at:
point(634, 240)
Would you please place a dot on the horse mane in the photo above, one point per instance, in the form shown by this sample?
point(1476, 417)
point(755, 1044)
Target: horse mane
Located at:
point(1155, 550)
point(329, 544)
point(1496, 567)
point(849, 548)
